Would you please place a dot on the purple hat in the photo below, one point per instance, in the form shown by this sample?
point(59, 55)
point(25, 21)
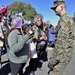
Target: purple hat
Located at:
point(35, 19)
point(17, 22)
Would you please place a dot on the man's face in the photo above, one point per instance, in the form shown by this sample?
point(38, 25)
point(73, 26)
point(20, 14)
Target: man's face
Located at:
point(58, 10)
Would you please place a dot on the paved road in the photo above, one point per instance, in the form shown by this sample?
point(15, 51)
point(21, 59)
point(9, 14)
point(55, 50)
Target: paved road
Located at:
point(70, 69)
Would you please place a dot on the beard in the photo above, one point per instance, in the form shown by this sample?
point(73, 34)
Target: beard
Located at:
point(57, 14)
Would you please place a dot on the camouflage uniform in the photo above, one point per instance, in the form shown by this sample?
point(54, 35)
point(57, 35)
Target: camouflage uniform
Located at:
point(64, 45)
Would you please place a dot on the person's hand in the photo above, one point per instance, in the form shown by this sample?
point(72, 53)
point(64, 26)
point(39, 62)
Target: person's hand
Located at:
point(1, 35)
point(54, 28)
point(43, 38)
point(30, 33)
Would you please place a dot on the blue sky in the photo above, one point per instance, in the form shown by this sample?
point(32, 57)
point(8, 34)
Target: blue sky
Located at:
point(43, 7)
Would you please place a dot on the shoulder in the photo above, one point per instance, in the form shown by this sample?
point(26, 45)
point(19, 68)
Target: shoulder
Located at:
point(66, 20)
point(14, 33)
point(35, 28)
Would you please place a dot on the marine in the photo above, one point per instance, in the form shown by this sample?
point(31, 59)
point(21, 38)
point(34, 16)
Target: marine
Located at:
point(64, 45)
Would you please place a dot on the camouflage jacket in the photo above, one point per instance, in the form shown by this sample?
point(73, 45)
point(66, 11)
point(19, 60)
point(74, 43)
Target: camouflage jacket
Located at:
point(65, 34)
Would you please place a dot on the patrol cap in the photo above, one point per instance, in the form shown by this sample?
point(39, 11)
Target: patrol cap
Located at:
point(57, 3)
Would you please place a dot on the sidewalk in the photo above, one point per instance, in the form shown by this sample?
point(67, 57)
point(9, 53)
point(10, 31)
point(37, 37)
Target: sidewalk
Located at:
point(5, 69)
point(70, 69)
point(45, 69)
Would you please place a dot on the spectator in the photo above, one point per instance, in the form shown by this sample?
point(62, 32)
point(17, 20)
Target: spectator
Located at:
point(40, 43)
point(19, 46)
point(52, 36)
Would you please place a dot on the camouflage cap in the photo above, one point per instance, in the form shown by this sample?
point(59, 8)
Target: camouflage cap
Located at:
point(57, 3)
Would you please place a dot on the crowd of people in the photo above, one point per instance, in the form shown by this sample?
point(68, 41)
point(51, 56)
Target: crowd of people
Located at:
point(29, 41)
point(21, 41)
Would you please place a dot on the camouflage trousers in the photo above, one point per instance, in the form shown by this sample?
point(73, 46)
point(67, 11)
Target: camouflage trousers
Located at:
point(64, 58)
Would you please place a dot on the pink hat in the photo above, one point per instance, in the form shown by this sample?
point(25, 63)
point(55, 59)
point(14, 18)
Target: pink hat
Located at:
point(0, 12)
point(4, 7)
point(4, 10)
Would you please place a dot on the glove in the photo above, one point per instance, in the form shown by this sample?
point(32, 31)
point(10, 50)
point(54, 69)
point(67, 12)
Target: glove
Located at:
point(50, 66)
